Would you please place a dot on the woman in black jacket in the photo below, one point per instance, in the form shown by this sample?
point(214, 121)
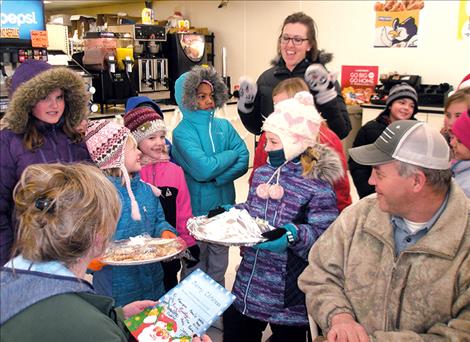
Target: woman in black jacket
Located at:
point(401, 104)
point(297, 52)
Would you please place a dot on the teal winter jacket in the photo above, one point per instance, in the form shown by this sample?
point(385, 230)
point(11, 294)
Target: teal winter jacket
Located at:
point(211, 153)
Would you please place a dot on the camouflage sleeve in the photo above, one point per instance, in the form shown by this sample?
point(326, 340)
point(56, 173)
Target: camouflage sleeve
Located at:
point(323, 279)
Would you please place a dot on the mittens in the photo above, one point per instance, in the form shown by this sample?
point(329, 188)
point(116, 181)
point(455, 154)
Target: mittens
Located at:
point(95, 265)
point(192, 256)
point(219, 210)
point(321, 83)
point(167, 234)
point(247, 93)
point(280, 238)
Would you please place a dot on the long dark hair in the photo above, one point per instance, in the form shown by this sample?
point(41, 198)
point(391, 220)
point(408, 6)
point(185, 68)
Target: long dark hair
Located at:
point(302, 18)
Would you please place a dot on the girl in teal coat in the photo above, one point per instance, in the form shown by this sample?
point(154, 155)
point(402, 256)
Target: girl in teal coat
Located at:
point(211, 153)
point(114, 150)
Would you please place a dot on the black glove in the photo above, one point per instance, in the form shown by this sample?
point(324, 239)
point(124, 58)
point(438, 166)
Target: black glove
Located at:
point(216, 211)
point(192, 256)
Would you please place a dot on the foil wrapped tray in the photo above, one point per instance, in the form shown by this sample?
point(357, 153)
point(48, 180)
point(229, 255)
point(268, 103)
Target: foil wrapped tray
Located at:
point(232, 228)
point(142, 249)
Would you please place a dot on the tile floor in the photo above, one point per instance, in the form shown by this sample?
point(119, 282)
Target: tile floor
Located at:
point(241, 187)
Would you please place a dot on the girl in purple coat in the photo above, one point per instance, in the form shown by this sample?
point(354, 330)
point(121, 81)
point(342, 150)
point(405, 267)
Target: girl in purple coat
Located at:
point(294, 193)
point(46, 104)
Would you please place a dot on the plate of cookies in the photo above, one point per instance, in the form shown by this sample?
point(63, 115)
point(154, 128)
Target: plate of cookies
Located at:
point(142, 249)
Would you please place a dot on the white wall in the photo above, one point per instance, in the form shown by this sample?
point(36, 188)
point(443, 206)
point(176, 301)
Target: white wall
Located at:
point(249, 30)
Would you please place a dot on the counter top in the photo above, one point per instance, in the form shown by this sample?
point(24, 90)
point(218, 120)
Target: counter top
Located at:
point(427, 109)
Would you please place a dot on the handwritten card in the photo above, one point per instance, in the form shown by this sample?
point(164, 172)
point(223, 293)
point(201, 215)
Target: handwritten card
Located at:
point(189, 308)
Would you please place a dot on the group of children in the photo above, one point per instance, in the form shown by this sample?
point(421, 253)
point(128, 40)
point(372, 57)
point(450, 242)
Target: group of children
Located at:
point(299, 184)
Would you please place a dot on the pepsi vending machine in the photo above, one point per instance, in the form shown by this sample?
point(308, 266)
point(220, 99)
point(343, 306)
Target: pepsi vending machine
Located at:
point(18, 19)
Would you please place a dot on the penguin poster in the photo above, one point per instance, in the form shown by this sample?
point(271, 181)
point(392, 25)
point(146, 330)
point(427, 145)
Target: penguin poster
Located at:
point(396, 23)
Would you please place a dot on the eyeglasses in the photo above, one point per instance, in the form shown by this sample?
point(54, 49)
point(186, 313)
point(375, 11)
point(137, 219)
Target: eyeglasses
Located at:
point(295, 40)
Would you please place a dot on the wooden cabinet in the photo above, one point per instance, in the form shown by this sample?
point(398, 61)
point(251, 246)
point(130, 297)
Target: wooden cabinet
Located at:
point(434, 116)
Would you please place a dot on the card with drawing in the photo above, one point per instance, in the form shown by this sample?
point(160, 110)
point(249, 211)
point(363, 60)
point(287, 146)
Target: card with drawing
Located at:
point(189, 308)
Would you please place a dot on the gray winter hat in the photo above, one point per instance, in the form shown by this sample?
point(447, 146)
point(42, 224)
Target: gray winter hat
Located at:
point(410, 141)
point(402, 90)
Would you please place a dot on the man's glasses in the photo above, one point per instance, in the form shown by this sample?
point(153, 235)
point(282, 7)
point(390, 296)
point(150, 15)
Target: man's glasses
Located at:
point(295, 40)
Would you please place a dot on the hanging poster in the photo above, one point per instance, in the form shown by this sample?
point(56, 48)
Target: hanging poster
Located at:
point(463, 30)
point(397, 22)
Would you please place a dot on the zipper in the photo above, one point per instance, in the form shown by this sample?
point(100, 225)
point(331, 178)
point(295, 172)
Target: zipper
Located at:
point(387, 293)
point(249, 282)
point(210, 134)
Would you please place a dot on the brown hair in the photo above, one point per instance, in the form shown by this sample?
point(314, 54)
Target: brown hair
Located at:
point(33, 139)
point(290, 86)
point(461, 95)
point(307, 21)
point(62, 209)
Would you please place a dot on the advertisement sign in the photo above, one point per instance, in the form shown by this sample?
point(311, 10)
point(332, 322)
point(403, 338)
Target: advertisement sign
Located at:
point(19, 17)
point(396, 23)
point(358, 83)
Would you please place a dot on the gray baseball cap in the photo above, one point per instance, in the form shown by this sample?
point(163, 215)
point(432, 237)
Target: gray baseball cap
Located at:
point(410, 141)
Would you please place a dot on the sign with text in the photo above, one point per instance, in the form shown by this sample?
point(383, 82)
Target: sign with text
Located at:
point(19, 17)
point(39, 39)
point(358, 83)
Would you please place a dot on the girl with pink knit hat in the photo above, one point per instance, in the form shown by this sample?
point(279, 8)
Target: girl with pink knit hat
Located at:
point(114, 150)
point(460, 142)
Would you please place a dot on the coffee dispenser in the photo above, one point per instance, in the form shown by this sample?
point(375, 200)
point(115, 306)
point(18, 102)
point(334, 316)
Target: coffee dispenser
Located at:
point(150, 67)
point(185, 50)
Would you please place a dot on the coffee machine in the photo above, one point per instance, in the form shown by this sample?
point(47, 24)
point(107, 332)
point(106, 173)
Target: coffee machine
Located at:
point(150, 67)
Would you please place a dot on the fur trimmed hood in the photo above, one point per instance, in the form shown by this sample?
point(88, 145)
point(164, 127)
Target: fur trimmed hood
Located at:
point(28, 94)
point(193, 78)
point(323, 58)
point(329, 167)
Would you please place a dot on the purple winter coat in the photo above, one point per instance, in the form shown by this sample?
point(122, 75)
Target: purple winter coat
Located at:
point(266, 283)
point(14, 158)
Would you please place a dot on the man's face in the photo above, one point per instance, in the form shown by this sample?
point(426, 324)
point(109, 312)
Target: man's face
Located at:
point(393, 191)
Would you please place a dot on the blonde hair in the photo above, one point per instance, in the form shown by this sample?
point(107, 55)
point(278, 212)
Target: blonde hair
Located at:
point(292, 86)
point(461, 95)
point(62, 209)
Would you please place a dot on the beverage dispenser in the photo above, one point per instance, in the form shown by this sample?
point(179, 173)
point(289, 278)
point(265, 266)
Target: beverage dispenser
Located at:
point(184, 50)
point(150, 66)
point(18, 19)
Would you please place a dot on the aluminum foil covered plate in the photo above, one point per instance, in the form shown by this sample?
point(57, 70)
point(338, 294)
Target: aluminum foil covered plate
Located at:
point(142, 249)
point(232, 228)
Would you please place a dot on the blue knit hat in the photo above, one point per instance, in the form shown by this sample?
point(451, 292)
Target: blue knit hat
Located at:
point(25, 72)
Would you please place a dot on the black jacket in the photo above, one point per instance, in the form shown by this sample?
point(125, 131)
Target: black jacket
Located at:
point(367, 134)
point(334, 112)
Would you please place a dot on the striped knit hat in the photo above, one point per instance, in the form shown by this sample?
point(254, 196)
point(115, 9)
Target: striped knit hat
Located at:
point(402, 90)
point(143, 121)
point(106, 141)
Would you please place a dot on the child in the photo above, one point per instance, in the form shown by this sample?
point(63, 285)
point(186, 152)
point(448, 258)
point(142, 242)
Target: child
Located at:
point(211, 153)
point(284, 90)
point(46, 104)
point(144, 101)
point(460, 142)
point(148, 129)
point(455, 105)
point(401, 104)
point(114, 150)
point(294, 193)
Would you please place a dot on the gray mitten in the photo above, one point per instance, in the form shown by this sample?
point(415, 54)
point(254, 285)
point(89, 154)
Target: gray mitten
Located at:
point(247, 93)
point(321, 83)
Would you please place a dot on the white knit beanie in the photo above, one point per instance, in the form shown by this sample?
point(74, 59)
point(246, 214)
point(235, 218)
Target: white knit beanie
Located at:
point(296, 122)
